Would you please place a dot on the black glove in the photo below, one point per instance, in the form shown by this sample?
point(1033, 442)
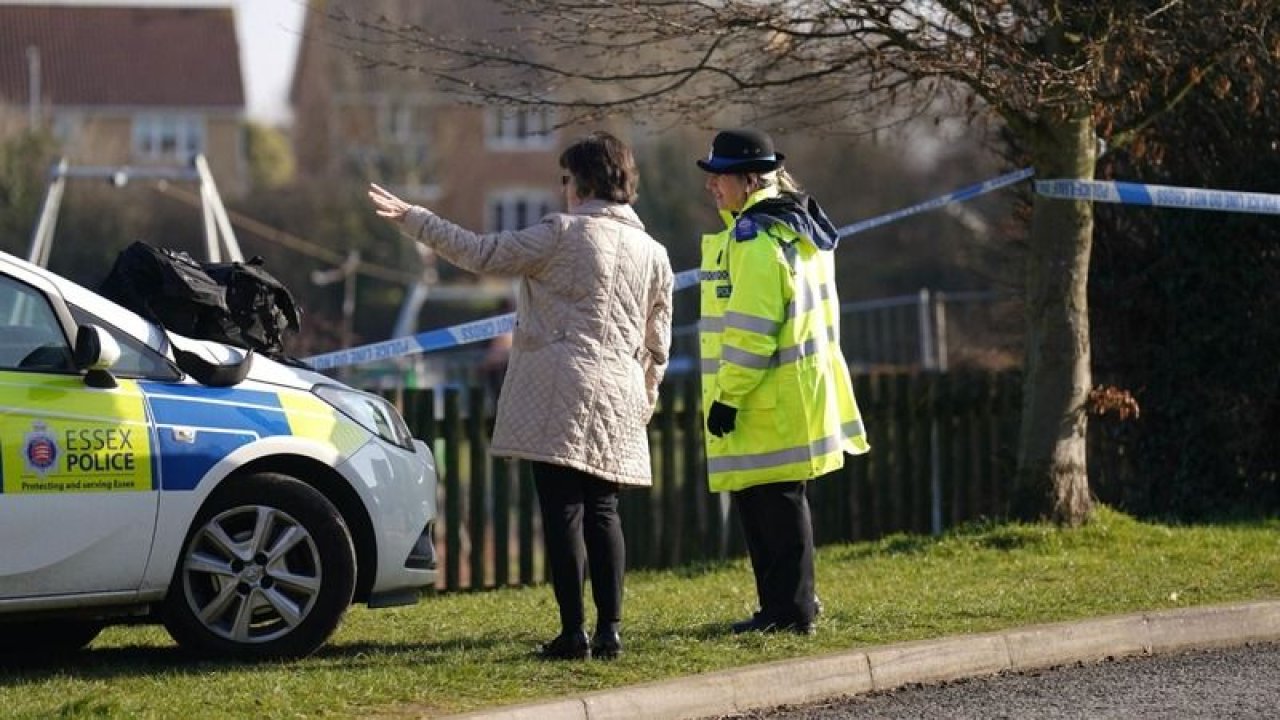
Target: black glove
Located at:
point(721, 419)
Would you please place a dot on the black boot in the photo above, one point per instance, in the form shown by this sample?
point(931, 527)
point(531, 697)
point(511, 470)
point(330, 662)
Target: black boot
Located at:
point(568, 645)
point(606, 645)
point(760, 623)
point(751, 624)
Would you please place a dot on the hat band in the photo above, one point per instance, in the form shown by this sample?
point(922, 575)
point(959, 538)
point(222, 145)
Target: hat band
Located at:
point(715, 162)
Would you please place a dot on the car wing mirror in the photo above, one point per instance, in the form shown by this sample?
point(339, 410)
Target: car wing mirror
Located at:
point(96, 352)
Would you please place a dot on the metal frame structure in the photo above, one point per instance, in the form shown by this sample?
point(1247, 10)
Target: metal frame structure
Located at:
point(218, 234)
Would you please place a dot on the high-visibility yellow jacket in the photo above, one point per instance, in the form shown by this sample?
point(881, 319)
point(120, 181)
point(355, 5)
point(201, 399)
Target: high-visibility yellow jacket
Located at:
point(770, 347)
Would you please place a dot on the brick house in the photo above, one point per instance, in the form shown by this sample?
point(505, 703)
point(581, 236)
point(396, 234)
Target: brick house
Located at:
point(486, 168)
point(128, 85)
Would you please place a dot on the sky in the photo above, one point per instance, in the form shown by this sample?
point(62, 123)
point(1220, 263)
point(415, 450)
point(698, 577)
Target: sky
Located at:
point(268, 31)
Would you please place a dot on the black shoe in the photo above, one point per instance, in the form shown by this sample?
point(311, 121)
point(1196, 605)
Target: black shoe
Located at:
point(572, 645)
point(751, 624)
point(799, 628)
point(606, 645)
point(758, 623)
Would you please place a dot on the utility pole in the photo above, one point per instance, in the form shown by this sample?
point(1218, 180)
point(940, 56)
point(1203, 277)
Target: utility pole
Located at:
point(34, 75)
point(346, 272)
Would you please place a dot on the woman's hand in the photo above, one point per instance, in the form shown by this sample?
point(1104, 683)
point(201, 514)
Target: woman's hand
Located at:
point(387, 205)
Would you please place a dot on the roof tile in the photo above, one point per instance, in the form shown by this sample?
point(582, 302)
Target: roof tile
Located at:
point(122, 56)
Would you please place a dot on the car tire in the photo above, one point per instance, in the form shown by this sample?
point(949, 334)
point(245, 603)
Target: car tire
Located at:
point(266, 571)
point(46, 638)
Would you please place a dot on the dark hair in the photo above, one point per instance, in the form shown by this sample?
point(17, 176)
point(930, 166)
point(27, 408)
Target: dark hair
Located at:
point(602, 167)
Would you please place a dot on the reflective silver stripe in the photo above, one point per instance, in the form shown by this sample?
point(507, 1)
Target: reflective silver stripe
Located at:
point(711, 325)
point(853, 429)
point(792, 254)
point(747, 360)
point(812, 346)
point(828, 292)
point(737, 356)
point(738, 463)
point(706, 275)
point(795, 352)
point(751, 323)
point(804, 301)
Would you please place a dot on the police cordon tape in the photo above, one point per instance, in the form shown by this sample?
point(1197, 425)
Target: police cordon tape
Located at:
point(1160, 196)
point(957, 196)
point(428, 341)
point(1094, 190)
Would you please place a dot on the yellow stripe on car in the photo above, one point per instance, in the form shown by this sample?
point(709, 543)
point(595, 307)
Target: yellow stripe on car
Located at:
point(310, 417)
point(57, 435)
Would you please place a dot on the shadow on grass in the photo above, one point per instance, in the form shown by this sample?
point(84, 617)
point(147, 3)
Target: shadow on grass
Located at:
point(722, 630)
point(977, 535)
point(703, 567)
point(107, 663)
point(139, 661)
point(490, 648)
point(892, 545)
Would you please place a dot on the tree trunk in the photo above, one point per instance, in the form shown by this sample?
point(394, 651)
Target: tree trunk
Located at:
point(1052, 480)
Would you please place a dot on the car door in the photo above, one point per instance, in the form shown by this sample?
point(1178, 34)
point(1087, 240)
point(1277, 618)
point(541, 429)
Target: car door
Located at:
point(78, 495)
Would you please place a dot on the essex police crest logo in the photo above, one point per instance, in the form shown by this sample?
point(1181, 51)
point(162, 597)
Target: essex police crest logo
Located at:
point(745, 229)
point(40, 450)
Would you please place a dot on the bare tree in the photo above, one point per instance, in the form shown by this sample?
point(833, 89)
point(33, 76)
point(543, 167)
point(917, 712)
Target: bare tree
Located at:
point(1064, 76)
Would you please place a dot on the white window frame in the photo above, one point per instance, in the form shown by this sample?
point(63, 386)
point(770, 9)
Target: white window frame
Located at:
point(520, 128)
point(151, 131)
point(67, 127)
point(402, 121)
point(502, 208)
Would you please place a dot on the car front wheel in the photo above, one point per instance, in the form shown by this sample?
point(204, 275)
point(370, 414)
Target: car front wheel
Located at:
point(267, 571)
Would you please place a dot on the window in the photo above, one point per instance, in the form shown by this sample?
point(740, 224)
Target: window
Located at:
point(516, 209)
point(31, 338)
point(402, 123)
point(520, 128)
point(158, 136)
point(67, 127)
point(137, 360)
point(388, 138)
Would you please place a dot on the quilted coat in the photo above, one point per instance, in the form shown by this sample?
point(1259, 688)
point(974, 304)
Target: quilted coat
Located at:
point(592, 336)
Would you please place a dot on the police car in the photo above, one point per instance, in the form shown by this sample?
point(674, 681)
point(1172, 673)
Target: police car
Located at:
point(245, 518)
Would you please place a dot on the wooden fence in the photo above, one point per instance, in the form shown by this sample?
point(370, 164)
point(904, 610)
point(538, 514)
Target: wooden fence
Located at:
point(942, 454)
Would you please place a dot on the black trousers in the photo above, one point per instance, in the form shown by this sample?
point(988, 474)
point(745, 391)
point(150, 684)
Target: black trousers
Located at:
point(583, 534)
point(779, 534)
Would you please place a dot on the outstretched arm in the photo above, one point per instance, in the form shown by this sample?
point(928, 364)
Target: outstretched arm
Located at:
point(387, 205)
point(518, 252)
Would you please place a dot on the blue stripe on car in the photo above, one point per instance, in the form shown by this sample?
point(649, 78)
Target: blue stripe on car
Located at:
point(222, 419)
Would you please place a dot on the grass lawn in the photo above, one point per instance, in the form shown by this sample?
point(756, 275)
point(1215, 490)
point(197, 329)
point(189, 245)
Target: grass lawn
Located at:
point(462, 652)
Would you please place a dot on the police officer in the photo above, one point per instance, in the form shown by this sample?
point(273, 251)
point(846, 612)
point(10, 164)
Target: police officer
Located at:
point(776, 391)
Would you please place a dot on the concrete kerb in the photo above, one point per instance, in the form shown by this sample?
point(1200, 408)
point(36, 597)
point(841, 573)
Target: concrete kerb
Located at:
point(809, 679)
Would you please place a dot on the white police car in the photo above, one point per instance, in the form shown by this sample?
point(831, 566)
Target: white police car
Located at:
point(245, 518)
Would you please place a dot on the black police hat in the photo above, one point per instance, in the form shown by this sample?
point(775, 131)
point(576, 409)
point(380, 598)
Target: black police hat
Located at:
point(741, 151)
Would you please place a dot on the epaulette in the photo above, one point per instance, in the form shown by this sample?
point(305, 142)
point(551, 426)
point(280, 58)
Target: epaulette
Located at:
point(745, 229)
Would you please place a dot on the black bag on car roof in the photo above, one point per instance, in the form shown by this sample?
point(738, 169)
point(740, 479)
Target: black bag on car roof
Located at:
point(236, 303)
point(260, 306)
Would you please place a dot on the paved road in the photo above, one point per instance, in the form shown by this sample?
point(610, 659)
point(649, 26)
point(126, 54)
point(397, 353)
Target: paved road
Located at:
point(1215, 685)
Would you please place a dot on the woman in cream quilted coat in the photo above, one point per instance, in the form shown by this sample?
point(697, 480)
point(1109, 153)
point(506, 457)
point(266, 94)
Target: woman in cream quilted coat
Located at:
point(593, 330)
